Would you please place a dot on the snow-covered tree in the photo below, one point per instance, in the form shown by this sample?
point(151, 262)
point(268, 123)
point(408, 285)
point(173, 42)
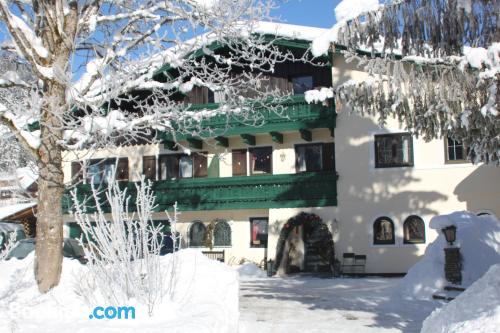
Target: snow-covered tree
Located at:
point(434, 65)
point(96, 81)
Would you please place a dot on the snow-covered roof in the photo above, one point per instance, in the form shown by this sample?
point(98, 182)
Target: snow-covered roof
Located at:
point(13, 209)
point(172, 56)
point(289, 30)
point(26, 176)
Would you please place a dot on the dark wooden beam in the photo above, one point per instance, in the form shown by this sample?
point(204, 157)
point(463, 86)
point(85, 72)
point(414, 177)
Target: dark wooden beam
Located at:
point(222, 141)
point(276, 137)
point(248, 139)
point(195, 143)
point(170, 145)
point(306, 135)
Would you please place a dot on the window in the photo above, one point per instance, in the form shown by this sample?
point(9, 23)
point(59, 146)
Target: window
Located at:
point(456, 151)
point(99, 170)
point(258, 231)
point(182, 166)
point(261, 160)
point(149, 167)
point(414, 230)
point(315, 157)
point(383, 231)
point(393, 150)
point(222, 234)
point(197, 234)
point(240, 162)
point(301, 84)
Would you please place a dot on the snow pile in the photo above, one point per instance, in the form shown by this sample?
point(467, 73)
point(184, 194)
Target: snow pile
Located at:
point(479, 241)
point(205, 300)
point(318, 96)
point(250, 271)
point(476, 310)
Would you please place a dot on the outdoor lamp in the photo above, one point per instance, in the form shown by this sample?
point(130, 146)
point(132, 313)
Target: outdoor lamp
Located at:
point(450, 233)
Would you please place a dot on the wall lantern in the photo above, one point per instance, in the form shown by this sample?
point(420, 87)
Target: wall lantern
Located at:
point(450, 233)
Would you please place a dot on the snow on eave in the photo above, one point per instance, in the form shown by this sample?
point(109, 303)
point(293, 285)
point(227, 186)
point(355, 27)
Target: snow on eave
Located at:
point(292, 31)
point(157, 62)
point(8, 211)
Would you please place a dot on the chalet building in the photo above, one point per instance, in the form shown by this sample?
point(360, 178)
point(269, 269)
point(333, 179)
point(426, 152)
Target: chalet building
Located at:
point(306, 188)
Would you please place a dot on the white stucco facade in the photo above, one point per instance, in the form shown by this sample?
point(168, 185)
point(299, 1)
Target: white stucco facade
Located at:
point(429, 187)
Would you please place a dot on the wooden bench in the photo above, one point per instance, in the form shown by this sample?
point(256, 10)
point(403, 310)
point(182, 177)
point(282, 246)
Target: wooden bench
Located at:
point(215, 255)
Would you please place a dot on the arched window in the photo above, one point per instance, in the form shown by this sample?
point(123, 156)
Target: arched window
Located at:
point(414, 230)
point(222, 233)
point(196, 234)
point(383, 231)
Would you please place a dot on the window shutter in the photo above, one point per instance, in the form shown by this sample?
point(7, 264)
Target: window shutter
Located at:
point(149, 167)
point(200, 165)
point(239, 162)
point(76, 172)
point(329, 156)
point(122, 170)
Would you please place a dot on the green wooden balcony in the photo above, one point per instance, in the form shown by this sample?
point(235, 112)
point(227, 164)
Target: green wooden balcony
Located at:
point(314, 189)
point(294, 114)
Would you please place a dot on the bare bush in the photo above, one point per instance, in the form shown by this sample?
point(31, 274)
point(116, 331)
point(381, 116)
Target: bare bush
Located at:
point(123, 248)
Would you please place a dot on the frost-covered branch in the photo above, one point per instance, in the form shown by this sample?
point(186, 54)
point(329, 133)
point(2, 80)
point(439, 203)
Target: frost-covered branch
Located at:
point(123, 251)
point(434, 65)
point(431, 101)
point(8, 245)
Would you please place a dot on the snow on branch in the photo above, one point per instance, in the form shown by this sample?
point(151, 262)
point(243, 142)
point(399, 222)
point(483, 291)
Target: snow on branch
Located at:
point(432, 100)
point(430, 28)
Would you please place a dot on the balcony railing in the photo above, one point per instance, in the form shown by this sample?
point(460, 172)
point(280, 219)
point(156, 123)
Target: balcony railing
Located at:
point(317, 189)
point(294, 113)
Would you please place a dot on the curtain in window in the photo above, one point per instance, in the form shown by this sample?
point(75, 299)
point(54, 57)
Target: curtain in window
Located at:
point(186, 166)
point(383, 231)
point(169, 167)
point(258, 228)
point(261, 160)
point(301, 159)
point(309, 158)
point(414, 230)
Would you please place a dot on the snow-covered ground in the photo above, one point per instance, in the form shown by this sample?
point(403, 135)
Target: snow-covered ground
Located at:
point(476, 310)
point(206, 300)
point(308, 304)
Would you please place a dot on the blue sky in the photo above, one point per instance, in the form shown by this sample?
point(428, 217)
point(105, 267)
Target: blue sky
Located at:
point(315, 13)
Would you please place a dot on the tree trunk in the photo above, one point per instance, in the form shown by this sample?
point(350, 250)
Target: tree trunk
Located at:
point(49, 229)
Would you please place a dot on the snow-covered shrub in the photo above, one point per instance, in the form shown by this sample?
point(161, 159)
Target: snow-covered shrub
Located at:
point(9, 245)
point(476, 310)
point(123, 249)
point(479, 240)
